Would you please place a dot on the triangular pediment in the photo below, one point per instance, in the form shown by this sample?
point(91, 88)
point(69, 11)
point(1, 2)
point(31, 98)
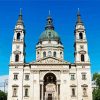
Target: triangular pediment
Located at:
point(50, 60)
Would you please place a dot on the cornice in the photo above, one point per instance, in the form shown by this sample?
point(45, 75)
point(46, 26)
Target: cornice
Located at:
point(16, 64)
point(84, 63)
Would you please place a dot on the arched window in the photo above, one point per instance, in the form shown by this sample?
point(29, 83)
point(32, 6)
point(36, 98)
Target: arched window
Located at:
point(18, 36)
point(61, 54)
point(80, 36)
point(44, 54)
point(49, 34)
point(84, 91)
point(26, 92)
point(49, 53)
point(82, 57)
point(54, 54)
point(73, 92)
point(14, 92)
point(16, 58)
point(37, 52)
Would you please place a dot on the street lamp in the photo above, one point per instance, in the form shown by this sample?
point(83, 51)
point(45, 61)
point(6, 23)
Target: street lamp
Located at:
point(5, 84)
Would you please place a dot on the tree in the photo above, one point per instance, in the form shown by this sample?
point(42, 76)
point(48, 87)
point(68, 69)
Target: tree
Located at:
point(98, 81)
point(96, 92)
point(95, 75)
point(3, 96)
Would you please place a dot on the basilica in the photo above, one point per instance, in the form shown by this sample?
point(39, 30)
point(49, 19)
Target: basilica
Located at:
point(49, 77)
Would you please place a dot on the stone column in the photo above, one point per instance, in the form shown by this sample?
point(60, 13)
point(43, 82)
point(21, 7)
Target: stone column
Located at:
point(36, 85)
point(42, 91)
point(45, 96)
point(57, 91)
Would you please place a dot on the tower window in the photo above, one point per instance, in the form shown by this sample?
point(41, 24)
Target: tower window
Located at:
point(16, 58)
point(73, 92)
point(80, 36)
point(15, 77)
point(83, 76)
point(54, 54)
point(82, 57)
point(84, 92)
point(26, 92)
point(14, 92)
point(60, 53)
point(18, 36)
point(49, 21)
point(26, 77)
point(72, 77)
point(44, 54)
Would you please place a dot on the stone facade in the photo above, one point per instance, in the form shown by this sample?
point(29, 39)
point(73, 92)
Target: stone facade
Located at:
point(50, 77)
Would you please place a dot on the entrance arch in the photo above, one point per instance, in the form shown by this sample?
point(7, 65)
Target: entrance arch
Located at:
point(50, 87)
point(49, 78)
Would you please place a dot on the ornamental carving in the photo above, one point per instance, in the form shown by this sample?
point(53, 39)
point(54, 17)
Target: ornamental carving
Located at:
point(82, 52)
point(35, 71)
point(17, 52)
point(50, 60)
point(65, 71)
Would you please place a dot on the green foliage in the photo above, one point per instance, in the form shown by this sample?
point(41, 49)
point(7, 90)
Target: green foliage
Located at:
point(98, 81)
point(95, 75)
point(3, 96)
point(96, 92)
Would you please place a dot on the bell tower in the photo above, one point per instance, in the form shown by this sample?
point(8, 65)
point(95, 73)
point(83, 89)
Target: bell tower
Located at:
point(18, 45)
point(80, 45)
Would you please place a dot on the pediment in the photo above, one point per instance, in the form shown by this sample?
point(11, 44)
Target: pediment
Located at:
point(17, 52)
point(50, 60)
point(82, 52)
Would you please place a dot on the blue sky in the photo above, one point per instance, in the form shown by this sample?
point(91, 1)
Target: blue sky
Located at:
point(63, 13)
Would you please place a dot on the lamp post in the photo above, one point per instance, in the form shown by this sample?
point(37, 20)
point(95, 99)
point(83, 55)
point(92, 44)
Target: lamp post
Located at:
point(5, 84)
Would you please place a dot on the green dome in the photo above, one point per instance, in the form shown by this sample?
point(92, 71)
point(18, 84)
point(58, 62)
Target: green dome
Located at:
point(49, 34)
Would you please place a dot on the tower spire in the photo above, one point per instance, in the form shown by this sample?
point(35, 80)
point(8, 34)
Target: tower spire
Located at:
point(20, 21)
point(18, 55)
point(49, 13)
point(20, 11)
point(79, 17)
point(49, 24)
point(81, 52)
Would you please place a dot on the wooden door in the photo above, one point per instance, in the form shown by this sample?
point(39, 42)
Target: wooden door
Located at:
point(49, 96)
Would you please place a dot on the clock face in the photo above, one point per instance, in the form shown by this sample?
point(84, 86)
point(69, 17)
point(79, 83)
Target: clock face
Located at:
point(17, 47)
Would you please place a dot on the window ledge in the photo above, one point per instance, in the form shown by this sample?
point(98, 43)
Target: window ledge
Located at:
point(26, 79)
point(15, 79)
point(72, 79)
point(73, 96)
point(26, 96)
point(84, 79)
point(85, 95)
point(14, 96)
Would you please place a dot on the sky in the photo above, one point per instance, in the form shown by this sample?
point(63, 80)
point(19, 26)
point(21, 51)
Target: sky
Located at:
point(64, 14)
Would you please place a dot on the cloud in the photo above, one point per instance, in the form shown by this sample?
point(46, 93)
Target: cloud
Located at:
point(3, 78)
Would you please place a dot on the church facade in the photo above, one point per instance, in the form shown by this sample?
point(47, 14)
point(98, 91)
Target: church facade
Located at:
point(50, 77)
